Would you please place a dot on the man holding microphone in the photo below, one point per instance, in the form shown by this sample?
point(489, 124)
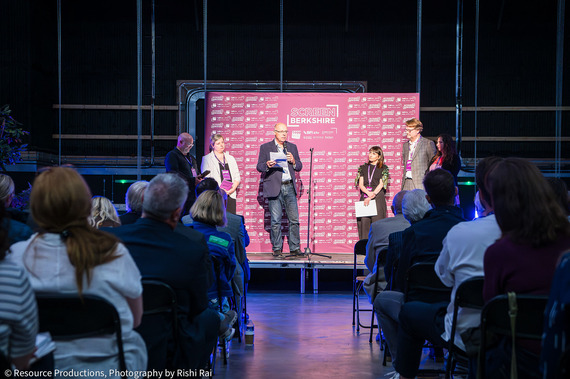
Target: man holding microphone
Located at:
point(279, 188)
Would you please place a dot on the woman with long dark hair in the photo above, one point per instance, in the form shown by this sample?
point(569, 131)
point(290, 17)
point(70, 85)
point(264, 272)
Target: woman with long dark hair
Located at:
point(372, 181)
point(535, 232)
point(446, 156)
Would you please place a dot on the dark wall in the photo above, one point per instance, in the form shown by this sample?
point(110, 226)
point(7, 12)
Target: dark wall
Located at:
point(373, 41)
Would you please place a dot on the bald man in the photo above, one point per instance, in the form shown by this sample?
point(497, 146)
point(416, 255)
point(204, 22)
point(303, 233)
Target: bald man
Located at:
point(279, 188)
point(180, 161)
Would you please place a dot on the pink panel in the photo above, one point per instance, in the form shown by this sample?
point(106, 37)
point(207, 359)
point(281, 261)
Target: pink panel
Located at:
point(340, 127)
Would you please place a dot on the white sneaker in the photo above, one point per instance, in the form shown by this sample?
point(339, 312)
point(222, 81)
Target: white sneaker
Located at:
point(393, 375)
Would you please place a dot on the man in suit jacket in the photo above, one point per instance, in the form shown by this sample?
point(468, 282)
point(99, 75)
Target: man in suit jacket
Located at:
point(378, 239)
point(416, 155)
point(279, 188)
point(182, 261)
point(180, 161)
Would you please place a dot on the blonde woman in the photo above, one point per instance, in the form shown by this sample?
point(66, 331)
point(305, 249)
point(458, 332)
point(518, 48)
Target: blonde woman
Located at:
point(69, 256)
point(103, 213)
point(223, 168)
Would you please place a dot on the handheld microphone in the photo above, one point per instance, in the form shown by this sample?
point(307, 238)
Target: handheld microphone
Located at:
point(285, 147)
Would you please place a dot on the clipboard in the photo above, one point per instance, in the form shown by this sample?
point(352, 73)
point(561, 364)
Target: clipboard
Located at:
point(368, 211)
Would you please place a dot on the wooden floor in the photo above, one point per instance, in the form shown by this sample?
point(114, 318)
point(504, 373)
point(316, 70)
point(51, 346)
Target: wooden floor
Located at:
point(304, 336)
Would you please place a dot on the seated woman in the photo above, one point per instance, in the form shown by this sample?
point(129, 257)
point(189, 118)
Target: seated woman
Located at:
point(535, 232)
point(103, 213)
point(69, 256)
point(208, 212)
point(18, 311)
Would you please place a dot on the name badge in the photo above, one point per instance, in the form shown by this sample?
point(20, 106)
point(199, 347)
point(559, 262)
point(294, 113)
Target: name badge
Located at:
point(194, 174)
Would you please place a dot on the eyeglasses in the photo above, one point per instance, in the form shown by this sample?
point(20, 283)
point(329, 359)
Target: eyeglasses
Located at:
point(281, 131)
point(410, 130)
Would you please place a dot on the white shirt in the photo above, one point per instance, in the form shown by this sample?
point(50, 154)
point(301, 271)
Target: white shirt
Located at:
point(462, 258)
point(286, 174)
point(50, 270)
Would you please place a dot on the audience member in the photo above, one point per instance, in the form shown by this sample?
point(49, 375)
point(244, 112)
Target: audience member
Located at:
point(18, 310)
point(535, 232)
point(461, 258)
point(69, 256)
point(103, 213)
point(422, 241)
point(378, 239)
point(14, 221)
point(209, 212)
point(414, 208)
point(181, 262)
point(134, 202)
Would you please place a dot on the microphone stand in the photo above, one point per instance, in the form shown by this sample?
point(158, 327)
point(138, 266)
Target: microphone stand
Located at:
point(307, 253)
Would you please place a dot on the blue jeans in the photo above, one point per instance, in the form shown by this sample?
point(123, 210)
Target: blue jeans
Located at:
point(286, 199)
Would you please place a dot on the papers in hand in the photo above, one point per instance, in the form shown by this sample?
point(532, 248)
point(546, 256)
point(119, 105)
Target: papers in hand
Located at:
point(365, 211)
point(279, 158)
point(44, 346)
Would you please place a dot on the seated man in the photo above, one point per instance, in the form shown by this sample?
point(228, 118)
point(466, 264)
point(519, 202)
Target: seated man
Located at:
point(180, 261)
point(378, 239)
point(461, 258)
point(420, 242)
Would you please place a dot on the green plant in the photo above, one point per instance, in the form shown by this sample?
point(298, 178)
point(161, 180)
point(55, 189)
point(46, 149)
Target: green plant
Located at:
point(21, 200)
point(11, 134)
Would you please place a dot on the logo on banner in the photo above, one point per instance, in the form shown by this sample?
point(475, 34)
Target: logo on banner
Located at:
point(316, 115)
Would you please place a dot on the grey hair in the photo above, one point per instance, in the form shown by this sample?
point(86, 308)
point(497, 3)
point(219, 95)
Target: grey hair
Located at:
point(415, 205)
point(164, 194)
point(6, 187)
point(134, 196)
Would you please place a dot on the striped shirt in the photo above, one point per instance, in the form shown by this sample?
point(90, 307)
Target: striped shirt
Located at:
point(18, 311)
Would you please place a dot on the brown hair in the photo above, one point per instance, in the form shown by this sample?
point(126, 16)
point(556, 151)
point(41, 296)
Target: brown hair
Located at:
point(209, 209)
point(60, 202)
point(524, 204)
point(378, 150)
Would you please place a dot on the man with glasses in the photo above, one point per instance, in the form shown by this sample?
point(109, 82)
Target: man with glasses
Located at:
point(180, 161)
point(279, 188)
point(416, 155)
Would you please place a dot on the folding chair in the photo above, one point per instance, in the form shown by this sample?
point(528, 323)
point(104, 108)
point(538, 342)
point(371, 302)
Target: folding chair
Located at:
point(423, 284)
point(69, 317)
point(380, 262)
point(495, 319)
point(357, 282)
point(469, 294)
point(159, 323)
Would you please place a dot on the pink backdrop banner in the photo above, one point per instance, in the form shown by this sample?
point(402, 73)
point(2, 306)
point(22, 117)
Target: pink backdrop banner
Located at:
point(339, 127)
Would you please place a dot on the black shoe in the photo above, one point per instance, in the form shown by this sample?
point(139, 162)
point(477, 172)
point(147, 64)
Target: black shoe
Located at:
point(296, 252)
point(277, 253)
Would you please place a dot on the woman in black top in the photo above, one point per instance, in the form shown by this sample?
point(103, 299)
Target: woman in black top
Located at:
point(446, 156)
point(372, 182)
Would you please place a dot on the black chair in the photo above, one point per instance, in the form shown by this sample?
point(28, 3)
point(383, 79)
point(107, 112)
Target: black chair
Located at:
point(495, 320)
point(357, 282)
point(69, 317)
point(380, 262)
point(469, 294)
point(159, 326)
point(423, 284)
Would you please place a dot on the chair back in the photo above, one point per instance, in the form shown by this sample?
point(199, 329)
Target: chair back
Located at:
point(359, 249)
point(69, 317)
point(159, 324)
point(380, 262)
point(423, 284)
point(529, 321)
point(495, 319)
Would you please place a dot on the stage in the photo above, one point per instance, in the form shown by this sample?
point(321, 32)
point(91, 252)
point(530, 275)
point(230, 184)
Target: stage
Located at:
point(314, 263)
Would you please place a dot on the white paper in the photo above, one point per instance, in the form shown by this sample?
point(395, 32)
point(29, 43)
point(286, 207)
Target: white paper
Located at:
point(365, 211)
point(280, 158)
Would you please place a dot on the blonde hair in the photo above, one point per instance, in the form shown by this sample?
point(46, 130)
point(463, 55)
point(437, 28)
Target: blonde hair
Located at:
point(60, 202)
point(415, 123)
point(103, 210)
point(215, 138)
point(209, 209)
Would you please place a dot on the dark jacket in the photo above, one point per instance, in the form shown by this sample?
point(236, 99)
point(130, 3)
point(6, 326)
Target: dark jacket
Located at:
point(272, 176)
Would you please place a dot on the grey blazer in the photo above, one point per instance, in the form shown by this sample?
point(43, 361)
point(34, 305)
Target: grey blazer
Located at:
point(420, 161)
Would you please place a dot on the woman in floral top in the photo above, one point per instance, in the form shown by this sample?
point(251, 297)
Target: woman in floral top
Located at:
point(372, 181)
